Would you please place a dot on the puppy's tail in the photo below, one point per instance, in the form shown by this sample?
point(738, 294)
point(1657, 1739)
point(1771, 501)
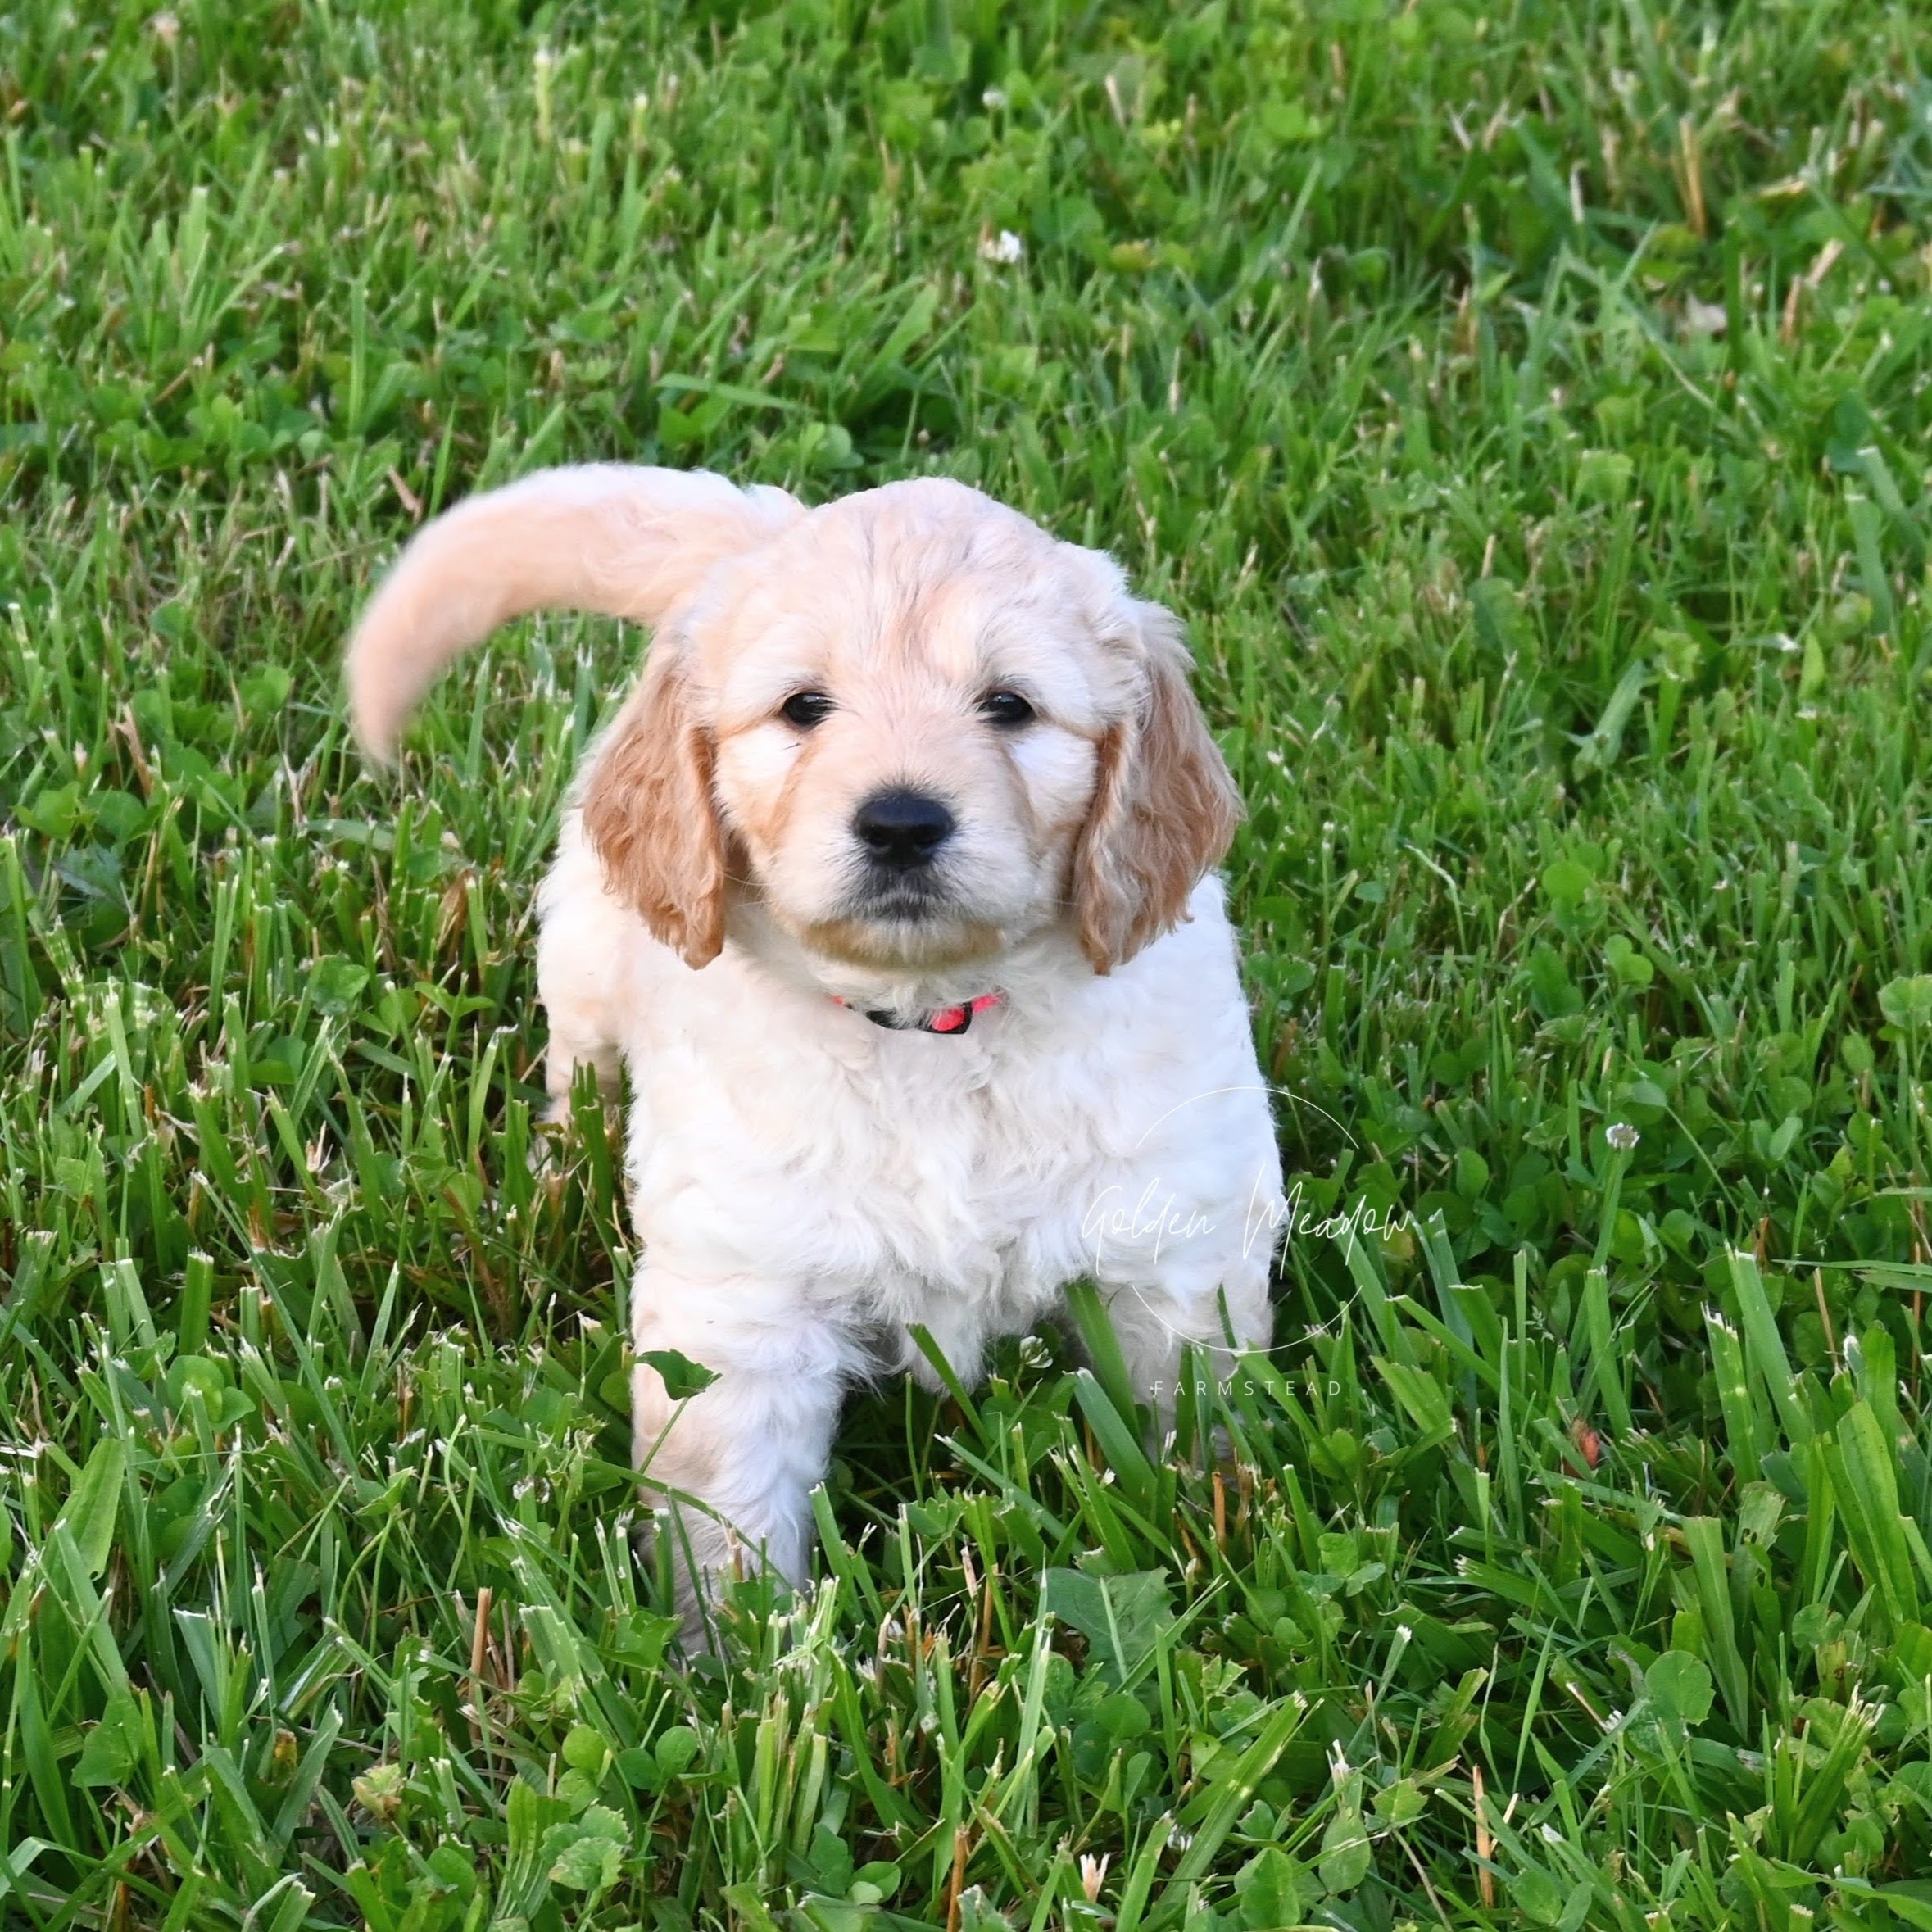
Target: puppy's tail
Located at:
point(624, 540)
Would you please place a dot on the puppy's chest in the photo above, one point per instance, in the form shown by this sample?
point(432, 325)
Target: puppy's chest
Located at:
point(934, 1172)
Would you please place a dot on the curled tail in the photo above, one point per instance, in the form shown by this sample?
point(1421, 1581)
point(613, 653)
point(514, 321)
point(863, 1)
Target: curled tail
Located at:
point(624, 540)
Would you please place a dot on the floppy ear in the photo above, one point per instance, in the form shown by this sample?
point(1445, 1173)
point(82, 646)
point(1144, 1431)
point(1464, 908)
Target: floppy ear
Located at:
point(1164, 807)
point(649, 816)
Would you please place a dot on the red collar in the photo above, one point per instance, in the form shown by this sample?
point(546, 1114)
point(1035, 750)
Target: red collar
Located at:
point(941, 1020)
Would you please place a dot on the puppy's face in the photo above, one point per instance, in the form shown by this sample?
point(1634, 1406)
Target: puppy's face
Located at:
point(920, 729)
point(907, 702)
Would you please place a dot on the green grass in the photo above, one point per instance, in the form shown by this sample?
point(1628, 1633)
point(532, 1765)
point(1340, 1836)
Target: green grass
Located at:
point(1527, 410)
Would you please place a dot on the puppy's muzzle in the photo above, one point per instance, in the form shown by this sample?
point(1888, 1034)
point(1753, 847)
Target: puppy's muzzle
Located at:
point(901, 831)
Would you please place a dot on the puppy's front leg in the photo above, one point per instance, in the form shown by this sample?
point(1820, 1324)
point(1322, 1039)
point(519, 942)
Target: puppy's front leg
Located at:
point(583, 946)
point(747, 1449)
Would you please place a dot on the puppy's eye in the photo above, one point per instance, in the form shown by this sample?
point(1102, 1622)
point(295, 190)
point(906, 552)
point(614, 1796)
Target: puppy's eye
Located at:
point(805, 708)
point(1005, 707)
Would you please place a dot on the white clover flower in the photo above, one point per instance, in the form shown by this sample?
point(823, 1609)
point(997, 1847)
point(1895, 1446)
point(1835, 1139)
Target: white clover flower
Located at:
point(1004, 248)
point(993, 99)
point(1621, 1136)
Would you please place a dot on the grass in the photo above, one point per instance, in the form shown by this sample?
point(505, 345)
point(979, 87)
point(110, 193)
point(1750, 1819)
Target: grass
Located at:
point(1527, 409)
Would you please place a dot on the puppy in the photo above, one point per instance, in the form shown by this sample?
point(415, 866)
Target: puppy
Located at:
point(890, 887)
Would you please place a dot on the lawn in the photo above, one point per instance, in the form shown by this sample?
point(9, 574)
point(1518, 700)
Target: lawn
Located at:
point(1527, 409)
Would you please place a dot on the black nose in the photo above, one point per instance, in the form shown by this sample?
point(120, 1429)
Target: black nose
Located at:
point(902, 829)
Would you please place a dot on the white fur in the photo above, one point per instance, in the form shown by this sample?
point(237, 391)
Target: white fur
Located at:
point(809, 1187)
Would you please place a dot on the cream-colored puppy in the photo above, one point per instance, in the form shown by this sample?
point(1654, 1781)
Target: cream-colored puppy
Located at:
point(890, 888)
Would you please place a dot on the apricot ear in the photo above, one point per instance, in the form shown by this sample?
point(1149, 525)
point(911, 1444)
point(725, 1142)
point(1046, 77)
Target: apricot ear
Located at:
point(1164, 808)
point(649, 816)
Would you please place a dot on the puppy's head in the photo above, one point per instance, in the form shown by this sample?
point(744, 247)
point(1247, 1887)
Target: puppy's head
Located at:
point(917, 729)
